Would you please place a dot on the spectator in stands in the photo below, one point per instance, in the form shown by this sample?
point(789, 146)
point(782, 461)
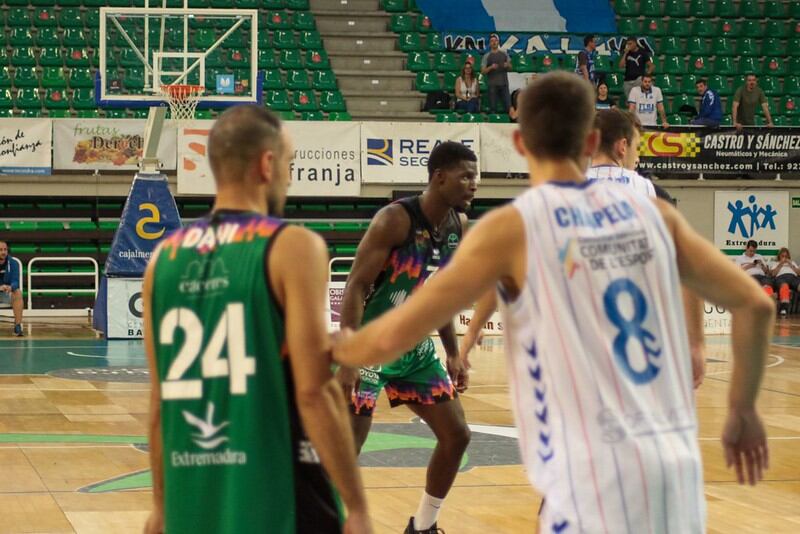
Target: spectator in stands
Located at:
point(584, 64)
point(603, 101)
point(513, 111)
point(710, 106)
point(10, 294)
point(645, 100)
point(746, 101)
point(467, 90)
point(495, 66)
point(754, 265)
point(786, 274)
point(637, 62)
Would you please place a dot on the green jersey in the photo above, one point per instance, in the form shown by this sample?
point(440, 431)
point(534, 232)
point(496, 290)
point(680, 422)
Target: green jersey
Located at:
point(235, 456)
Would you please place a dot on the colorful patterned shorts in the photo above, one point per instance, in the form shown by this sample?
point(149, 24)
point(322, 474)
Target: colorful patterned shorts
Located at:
point(418, 377)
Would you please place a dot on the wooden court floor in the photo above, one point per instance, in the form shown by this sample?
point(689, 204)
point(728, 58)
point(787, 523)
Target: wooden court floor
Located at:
point(73, 410)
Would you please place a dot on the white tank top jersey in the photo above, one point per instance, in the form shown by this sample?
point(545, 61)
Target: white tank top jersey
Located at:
point(621, 175)
point(599, 365)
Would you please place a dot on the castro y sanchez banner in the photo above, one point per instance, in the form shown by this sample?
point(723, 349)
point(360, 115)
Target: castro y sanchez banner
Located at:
point(397, 152)
point(25, 146)
point(326, 163)
point(106, 144)
point(721, 151)
point(740, 216)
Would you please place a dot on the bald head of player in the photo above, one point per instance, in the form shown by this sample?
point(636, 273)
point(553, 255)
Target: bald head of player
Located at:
point(620, 133)
point(249, 154)
point(556, 123)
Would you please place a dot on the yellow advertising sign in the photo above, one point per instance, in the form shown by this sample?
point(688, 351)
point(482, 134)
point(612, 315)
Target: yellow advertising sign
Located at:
point(669, 144)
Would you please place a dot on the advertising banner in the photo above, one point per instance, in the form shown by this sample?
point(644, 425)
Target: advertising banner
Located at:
point(498, 155)
point(25, 146)
point(106, 144)
point(124, 308)
point(720, 150)
point(149, 215)
point(326, 164)
point(335, 297)
point(716, 320)
point(493, 327)
point(561, 45)
point(397, 152)
point(740, 216)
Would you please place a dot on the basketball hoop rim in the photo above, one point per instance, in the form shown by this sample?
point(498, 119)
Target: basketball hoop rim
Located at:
point(182, 90)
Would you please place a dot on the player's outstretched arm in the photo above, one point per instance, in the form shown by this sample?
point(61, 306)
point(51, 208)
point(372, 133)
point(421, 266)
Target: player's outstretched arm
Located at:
point(493, 250)
point(693, 311)
point(302, 293)
point(155, 523)
point(708, 273)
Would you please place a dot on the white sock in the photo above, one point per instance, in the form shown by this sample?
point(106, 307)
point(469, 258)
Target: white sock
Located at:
point(428, 512)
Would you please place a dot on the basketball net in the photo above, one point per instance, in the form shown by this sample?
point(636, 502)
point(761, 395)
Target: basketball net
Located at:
point(182, 100)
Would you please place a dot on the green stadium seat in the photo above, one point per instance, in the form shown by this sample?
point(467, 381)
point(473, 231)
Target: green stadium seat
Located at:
point(394, 6)
point(339, 116)
point(671, 46)
point(546, 63)
point(727, 28)
point(304, 101)
point(419, 61)
point(5, 77)
point(471, 117)
point(750, 9)
point(74, 37)
point(791, 85)
point(278, 101)
point(630, 26)
point(410, 42)
point(701, 9)
point(290, 59)
point(204, 38)
point(773, 47)
point(424, 24)
point(603, 64)
point(312, 116)
point(726, 121)
point(434, 42)
point(794, 10)
point(304, 21)
point(134, 78)
point(51, 56)
point(746, 46)
point(22, 226)
point(672, 65)
point(33, 113)
point(49, 226)
point(84, 99)
point(699, 65)
point(401, 23)
point(720, 46)
point(287, 115)
point(775, 9)
point(522, 63)
point(789, 106)
point(297, 79)
point(278, 20)
point(266, 59)
point(116, 113)
point(332, 101)
point(682, 100)
point(56, 99)
point(793, 66)
point(697, 46)
point(18, 16)
point(47, 37)
point(447, 117)
point(449, 80)
point(446, 61)
point(317, 60)
point(667, 84)
point(23, 57)
point(264, 40)
point(70, 18)
point(92, 18)
point(719, 84)
point(273, 79)
point(627, 8)
point(653, 27)
point(749, 65)
point(773, 66)
point(77, 57)
point(44, 17)
point(678, 28)
point(725, 9)
point(725, 65)
point(498, 118)
point(58, 114)
point(323, 80)
point(770, 85)
point(297, 5)
point(777, 28)
point(310, 39)
point(649, 8)
point(752, 28)
point(704, 28)
point(614, 81)
point(427, 82)
point(80, 77)
point(20, 37)
point(284, 39)
point(675, 8)
point(688, 84)
point(238, 58)
point(273, 4)
point(26, 77)
point(28, 98)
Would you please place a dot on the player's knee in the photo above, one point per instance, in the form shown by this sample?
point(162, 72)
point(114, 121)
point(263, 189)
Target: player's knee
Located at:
point(458, 440)
point(16, 295)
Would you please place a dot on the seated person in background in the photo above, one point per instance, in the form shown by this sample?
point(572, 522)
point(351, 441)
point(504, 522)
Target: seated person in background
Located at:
point(754, 265)
point(710, 106)
point(513, 111)
point(10, 293)
point(786, 274)
point(467, 90)
point(603, 101)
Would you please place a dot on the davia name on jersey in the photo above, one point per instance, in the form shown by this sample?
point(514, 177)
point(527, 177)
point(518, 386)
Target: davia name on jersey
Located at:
point(571, 216)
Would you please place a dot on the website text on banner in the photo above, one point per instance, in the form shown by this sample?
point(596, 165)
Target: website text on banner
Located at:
point(106, 144)
point(397, 152)
point(25, 146)
point(740, 216)
point(721, 151)
point(326, 160)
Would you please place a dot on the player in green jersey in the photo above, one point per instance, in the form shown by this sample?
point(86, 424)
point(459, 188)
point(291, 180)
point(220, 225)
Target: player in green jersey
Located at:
point(406, 243)
point(248, 431)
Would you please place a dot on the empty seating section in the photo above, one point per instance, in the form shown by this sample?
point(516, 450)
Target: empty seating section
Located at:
point(49, 55)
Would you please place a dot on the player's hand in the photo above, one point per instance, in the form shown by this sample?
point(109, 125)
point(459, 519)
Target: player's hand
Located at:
point(744, 441)
point(665, 124)
point(357, 523)
point(5, 288)
point(739, 126)
point(155, 523)
point(348, 377)
point(458, 373)
point(698, 364)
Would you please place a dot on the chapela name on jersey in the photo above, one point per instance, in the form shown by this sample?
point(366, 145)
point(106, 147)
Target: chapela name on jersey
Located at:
point(611, 214)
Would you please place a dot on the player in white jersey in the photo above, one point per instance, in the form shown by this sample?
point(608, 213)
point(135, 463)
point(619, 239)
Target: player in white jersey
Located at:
point(590, 274)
